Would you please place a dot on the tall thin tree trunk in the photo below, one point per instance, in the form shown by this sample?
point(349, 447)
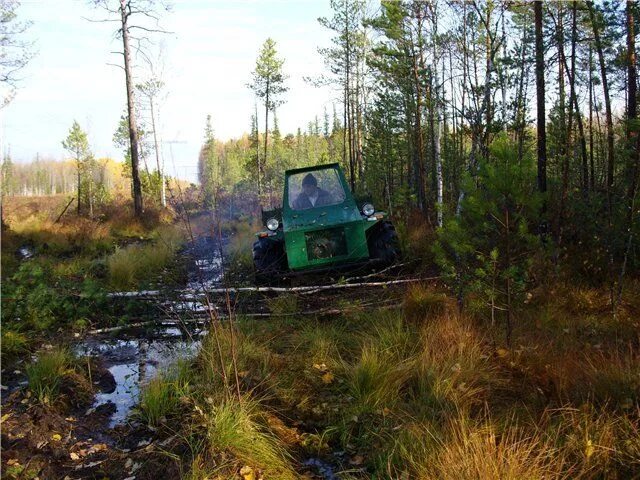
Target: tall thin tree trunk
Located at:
point(259, 168)
point(133, 130)
point(540, 94)
point(592, 173)
point(564, 131)
point(607, 102)
point(79, 183)
point(437, 107)
point(266, 124)
point(90, 180)
point(519, 115)
point(347, 95)
point(163, 197)
point(610, 152)
point(633, 138)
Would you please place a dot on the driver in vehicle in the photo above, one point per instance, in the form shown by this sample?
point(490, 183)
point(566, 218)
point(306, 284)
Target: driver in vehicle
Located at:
point(311, 195)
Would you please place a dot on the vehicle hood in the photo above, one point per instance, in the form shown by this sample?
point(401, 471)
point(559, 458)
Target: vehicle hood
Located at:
point(320, 217)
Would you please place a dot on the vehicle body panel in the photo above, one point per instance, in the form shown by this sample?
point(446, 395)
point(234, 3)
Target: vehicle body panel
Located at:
point(321, 237)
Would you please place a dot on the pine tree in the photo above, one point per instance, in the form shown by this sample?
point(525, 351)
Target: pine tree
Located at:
point(487, 249)
point(78, 145)
point(268, 83)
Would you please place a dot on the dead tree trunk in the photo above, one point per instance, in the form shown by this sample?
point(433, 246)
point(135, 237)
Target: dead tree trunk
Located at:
point(133, 130)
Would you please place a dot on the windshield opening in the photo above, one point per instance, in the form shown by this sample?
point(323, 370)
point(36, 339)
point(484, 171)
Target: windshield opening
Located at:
point(318, 188)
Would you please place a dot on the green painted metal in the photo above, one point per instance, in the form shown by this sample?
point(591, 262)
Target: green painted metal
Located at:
point(325, 235)
point(322, 236)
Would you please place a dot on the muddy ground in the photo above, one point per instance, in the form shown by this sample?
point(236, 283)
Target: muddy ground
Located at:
point(96, 434)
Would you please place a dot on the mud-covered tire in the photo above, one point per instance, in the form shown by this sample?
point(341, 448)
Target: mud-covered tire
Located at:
point(384, 244)
point(269, 261)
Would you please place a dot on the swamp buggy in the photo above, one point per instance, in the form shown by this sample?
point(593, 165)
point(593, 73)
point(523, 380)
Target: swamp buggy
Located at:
point(321, 227)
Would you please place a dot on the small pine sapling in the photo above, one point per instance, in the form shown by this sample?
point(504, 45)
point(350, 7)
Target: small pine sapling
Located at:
point(487, 249)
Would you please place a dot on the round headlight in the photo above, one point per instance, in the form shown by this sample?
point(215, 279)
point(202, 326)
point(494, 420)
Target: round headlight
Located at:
point(273, 224)
point(368, 209)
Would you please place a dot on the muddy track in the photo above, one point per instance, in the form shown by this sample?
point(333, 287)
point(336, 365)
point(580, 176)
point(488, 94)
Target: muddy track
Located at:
point(101, 437)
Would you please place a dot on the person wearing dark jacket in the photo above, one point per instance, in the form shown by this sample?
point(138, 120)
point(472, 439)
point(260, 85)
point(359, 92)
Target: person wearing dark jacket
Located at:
point(311, 195)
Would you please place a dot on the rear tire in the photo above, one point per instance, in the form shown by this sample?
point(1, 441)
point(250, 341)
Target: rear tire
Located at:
point(269, 261)
point(384, 244)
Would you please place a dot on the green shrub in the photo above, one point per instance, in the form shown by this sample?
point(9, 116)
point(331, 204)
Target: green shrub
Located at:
point(487, 249)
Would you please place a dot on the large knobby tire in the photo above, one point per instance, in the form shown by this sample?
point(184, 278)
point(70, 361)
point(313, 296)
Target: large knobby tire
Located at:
point(384, 244)
point(269, 261)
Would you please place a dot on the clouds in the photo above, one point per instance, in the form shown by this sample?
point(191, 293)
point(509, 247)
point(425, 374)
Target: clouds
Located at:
point(208, 59)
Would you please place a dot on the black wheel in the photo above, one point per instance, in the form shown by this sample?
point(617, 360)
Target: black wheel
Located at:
point(384, 244)
point(269, 261)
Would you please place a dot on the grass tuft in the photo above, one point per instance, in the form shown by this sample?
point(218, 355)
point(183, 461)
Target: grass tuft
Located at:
point(134, 264)
point(236, 426)
point(453, 367)
point(47, 373)
point(424, 303)
point(13, 343)
point(374, 380)
point(163, 396)
point(483, 452)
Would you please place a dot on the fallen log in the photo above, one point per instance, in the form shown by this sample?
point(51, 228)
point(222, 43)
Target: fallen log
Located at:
point(204, 319)
point(308, 288)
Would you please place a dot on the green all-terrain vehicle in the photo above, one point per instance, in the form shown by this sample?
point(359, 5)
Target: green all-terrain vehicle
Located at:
point(321, 227)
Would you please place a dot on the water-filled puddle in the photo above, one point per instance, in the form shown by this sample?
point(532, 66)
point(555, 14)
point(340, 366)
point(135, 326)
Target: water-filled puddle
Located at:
point(136, 357)
point(134, 361)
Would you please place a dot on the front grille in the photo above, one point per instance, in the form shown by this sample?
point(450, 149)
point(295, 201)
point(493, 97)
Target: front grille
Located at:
point(328, 243)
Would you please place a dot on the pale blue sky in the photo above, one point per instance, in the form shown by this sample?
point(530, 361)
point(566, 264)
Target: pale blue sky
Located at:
point(208, 60)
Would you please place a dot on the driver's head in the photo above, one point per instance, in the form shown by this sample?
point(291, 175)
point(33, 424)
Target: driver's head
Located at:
point(309, 184)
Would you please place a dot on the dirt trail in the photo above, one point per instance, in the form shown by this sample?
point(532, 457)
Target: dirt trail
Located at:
point(100, 437)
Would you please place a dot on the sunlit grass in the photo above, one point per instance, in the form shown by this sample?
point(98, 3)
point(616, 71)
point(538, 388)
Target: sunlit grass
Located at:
point(13, 343)
point(452, 366)
point(374, 380)
point(235, 426)
point(134, 264)
point(481, 451)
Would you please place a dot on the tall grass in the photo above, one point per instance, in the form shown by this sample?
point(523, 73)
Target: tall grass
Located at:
point(252, 356)
point(12, 343)
point(453, 366)
point(46, 374)
point(134, 264)
point(436, 399)
point(164, 395)
point(482, 452)
point(374, 381)
point(320, 342)
point(76, 235)
point(236, 426)
point(424, 303)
